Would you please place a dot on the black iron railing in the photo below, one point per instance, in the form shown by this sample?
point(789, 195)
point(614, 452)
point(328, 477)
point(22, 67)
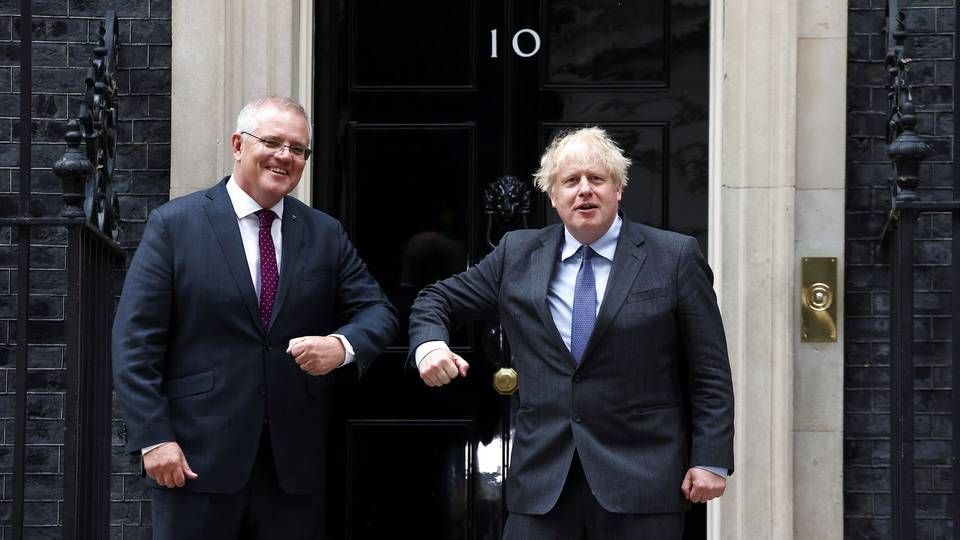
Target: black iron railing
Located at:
point(89, 217)
point(906, 151)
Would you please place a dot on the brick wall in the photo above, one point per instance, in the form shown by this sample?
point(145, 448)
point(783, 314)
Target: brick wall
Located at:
point(64, 33)
point(867, 473)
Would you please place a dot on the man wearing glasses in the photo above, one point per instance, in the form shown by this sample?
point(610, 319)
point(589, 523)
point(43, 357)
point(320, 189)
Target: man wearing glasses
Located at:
point(238, 305)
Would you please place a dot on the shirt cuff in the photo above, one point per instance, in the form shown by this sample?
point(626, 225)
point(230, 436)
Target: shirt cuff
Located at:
point(349, 356)
point(426, 348)
point(146, 449)
point(719, 471)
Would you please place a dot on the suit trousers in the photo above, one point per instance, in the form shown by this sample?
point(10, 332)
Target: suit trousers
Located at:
point(578, 516)
point(259, 511)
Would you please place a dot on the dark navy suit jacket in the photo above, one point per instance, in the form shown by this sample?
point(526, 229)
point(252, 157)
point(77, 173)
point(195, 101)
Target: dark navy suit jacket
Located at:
point(652, 394)
point(192, 362)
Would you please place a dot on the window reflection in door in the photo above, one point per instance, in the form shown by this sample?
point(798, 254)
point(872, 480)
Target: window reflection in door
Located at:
point(427, 257)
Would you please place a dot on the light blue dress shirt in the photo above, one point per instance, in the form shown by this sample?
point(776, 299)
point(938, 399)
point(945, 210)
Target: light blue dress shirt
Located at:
point(564, 281)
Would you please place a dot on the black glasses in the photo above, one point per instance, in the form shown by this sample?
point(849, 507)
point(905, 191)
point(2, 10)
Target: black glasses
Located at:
point(275, 146)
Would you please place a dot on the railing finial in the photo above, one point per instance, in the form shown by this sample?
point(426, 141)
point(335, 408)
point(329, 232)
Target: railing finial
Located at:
point(73, 168)
point(906, 152)
point(87, 172)
point(905, 148)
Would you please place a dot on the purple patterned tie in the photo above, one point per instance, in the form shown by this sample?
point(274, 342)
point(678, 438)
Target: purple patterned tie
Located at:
point(268, 266)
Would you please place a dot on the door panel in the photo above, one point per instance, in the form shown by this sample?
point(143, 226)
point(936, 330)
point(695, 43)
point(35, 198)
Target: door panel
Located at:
point(438, 471)
point(608, 63)
point(412, 29)
point(418, 219)
point(419, 106)
point(630, 53)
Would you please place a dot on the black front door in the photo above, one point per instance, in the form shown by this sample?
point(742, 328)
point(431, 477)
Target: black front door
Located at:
point(420, 104)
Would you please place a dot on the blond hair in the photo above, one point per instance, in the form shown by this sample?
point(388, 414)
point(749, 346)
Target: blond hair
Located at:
point(590, 145)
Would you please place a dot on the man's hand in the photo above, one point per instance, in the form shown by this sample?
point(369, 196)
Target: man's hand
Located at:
point(167, 465)
point(700, 485)
point(441, 366)
point(317, 355)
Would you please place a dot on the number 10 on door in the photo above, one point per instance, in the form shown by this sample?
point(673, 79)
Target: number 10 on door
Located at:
point(516, 43)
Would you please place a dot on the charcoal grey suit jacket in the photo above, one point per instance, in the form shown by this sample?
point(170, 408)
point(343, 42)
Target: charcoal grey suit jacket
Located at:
point(652, 394)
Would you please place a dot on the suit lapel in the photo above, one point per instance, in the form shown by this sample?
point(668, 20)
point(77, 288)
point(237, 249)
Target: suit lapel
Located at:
point(223, 220)
point(627, 262)
point(542, 262)
point(292, 233)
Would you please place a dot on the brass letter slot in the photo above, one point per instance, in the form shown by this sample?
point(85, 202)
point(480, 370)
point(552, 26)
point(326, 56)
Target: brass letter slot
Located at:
point(818, 309)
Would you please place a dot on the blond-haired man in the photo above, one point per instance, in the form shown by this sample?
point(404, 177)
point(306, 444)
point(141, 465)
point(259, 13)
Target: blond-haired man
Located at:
point(624, 411)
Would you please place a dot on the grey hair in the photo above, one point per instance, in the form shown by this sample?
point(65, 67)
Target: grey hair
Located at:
point(587, 145)
point(247, 119)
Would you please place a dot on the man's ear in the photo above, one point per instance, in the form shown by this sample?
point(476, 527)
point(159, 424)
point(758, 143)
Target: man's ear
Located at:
point(235, 141)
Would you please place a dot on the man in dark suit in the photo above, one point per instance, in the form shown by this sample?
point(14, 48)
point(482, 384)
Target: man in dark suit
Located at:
point(624, 410)
point(238, 305)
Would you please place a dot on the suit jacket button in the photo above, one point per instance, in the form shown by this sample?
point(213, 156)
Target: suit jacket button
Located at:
point(269, 348)
point(577, 419)
point(262, 390)
point(577, 378)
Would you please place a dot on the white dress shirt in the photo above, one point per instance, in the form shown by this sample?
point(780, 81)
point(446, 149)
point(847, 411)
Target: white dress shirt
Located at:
point(245, 208)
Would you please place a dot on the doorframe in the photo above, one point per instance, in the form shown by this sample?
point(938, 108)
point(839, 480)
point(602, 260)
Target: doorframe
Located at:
point(776, 192)
point(777, 188)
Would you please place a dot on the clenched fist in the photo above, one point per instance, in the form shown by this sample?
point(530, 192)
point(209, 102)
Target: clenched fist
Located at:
point(700, 485)
point(317, 355)
point(441, 366)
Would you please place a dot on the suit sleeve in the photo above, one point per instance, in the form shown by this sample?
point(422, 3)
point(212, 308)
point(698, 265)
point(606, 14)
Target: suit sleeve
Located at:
point(447, 304)
point(140, 335)
point(366, 318)
point(709, 384)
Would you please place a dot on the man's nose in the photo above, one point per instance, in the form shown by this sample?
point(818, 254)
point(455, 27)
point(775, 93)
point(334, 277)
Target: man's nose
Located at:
point(584, 187)
point(284, 152)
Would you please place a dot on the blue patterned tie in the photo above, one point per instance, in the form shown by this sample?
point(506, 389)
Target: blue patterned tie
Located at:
point(584, 305)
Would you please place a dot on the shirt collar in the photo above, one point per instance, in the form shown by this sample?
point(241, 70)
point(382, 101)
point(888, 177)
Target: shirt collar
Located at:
point(605, 246)
point(244, 205)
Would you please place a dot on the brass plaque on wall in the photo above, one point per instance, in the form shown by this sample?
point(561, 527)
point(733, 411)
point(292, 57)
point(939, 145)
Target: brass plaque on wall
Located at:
point(818, 301)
